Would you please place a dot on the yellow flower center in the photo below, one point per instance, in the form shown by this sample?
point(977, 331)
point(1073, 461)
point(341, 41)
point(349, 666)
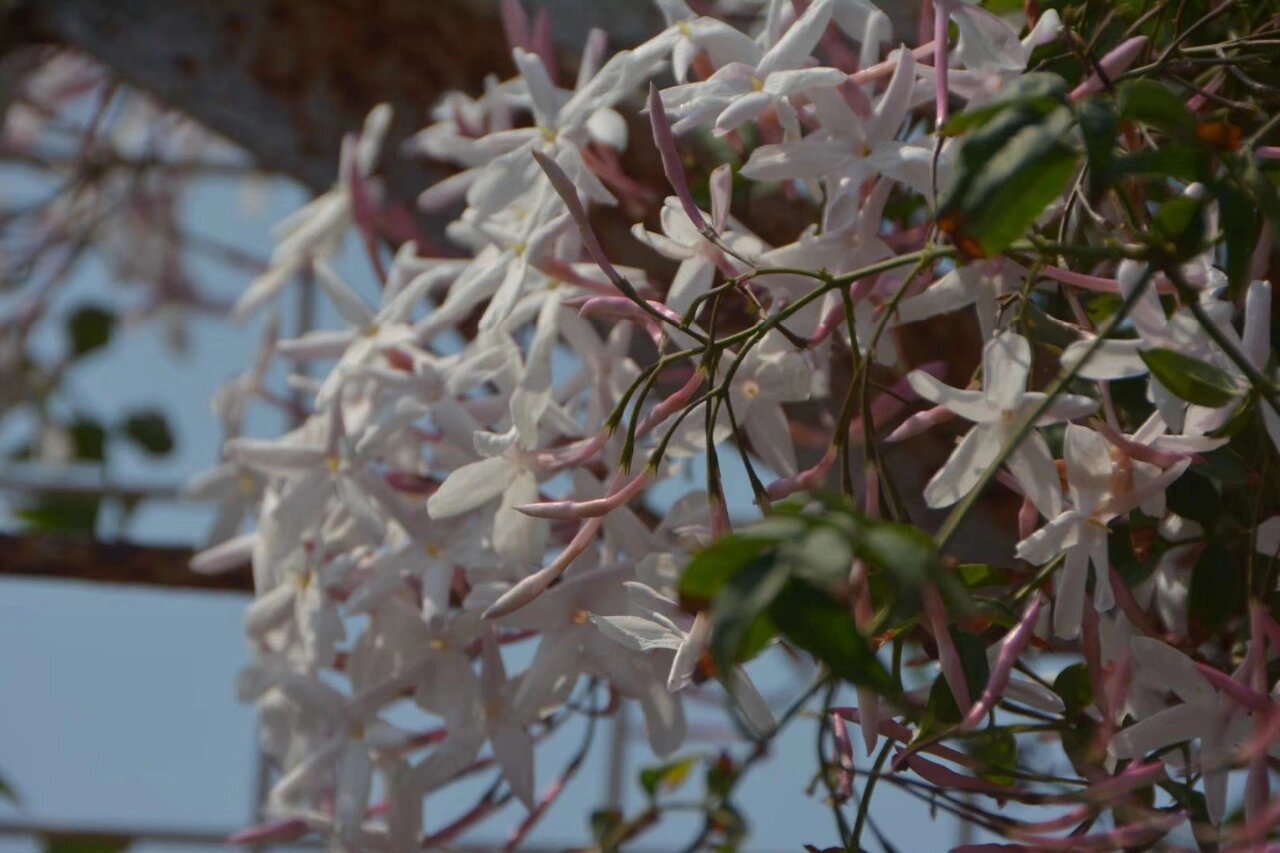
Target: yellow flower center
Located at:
point(581, 617)
point(757, 85)
point(751, 389)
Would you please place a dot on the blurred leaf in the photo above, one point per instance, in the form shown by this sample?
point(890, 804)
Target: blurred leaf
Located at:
point(973, 660)
point(1189, 378)
point(1193, 496)
point(1241, 227)
point(90, 328)
point(977, 575)
point(1150, 103)
point(89, 439)
point(996, 750)
point(824, 628)
point(738, 614)
point(822, 556)
point(61, 514)
point(1179, 223)
point(668, 777)
point(1098, 125)
point(149, 430)
point(1008, 172)
point(7, 791)
point(710, 569)
point(721, 776)
point(1074, 689)
point(1217, 587)
point(605, 824)
point(86, 844)
point(1038, 92)
point(1175, 160)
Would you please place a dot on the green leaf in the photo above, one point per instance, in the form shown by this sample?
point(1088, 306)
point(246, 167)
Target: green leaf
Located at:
point(1241, 227)
point(89, 328)
point(710, 569)
point(1193, 496)
point(668, 777)
point(605, 824)
point(909, 559)
point(823, 627)
point(149, 430)
point(86, 844)
point(1038, 92)
point(973, 660)
point(822, 556)
point(7, 791)
point(1098, 126)
point(1175, 160)
point(978, 575)
point(1148, 102)
point(996, 750)
point(1217, 587)
point(89, 439)
point(1189, 378)
point(73, 514)
point(1074, 689)
point(738, 615)
point(1008, 173)
point(1179, 224)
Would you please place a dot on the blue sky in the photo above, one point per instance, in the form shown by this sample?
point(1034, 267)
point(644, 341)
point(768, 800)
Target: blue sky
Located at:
point(118, 703)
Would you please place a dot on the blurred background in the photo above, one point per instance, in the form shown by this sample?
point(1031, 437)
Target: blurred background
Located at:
point(147, 148)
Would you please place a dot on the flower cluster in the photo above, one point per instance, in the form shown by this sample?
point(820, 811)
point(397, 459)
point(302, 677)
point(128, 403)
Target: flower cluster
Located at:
point(488, 505)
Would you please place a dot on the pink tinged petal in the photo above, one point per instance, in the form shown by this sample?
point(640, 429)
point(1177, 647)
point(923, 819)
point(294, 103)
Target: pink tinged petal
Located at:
point(517, 537)
point(225, 556)
point(636, 632)
point(1170, 726)
point(664, 719)
point(721, 195)
point(690, 652)
point(795, 46)
point(1089, 466)
point(355, 778)
point(1104, 596)
point(1114, 62)
point(269, 610)
point(1257, 323)
point(921, 423)
point(869, 708)
point(1240, 693)
point(783, 84)
point(891, 109)
point(1033, 467)
point(812, 157)
point(1061, 533)
point(1070, 590)
point(275, 457)
point(1006, 362)
point(531, 587)
point(347, 301)
point(805, 480)
point(755, 711)
point(948, 656)
point(770, 435)
point(1011, 649)
point(1109, 360)
point(472, 486)
point(949, 779)
point(281, 832)
point(1172, 670)
point(568, 193)
point(513, 750)
point(970, 405)
point(671, 165)
point(987, 43)
point(975, 453)
point(592, 508)
point(744, 109)
point(1267, 537)
point(844, 757)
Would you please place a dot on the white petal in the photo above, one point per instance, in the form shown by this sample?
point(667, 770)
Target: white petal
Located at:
point(513, 749)
point(976, 452)
point(970, 405)
point(1006, 362)
point(472, 486)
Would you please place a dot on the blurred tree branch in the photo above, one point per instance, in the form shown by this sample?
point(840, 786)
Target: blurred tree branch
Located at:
point(62, 557)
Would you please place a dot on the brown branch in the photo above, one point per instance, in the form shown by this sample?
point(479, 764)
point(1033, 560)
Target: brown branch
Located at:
point(49, 557)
